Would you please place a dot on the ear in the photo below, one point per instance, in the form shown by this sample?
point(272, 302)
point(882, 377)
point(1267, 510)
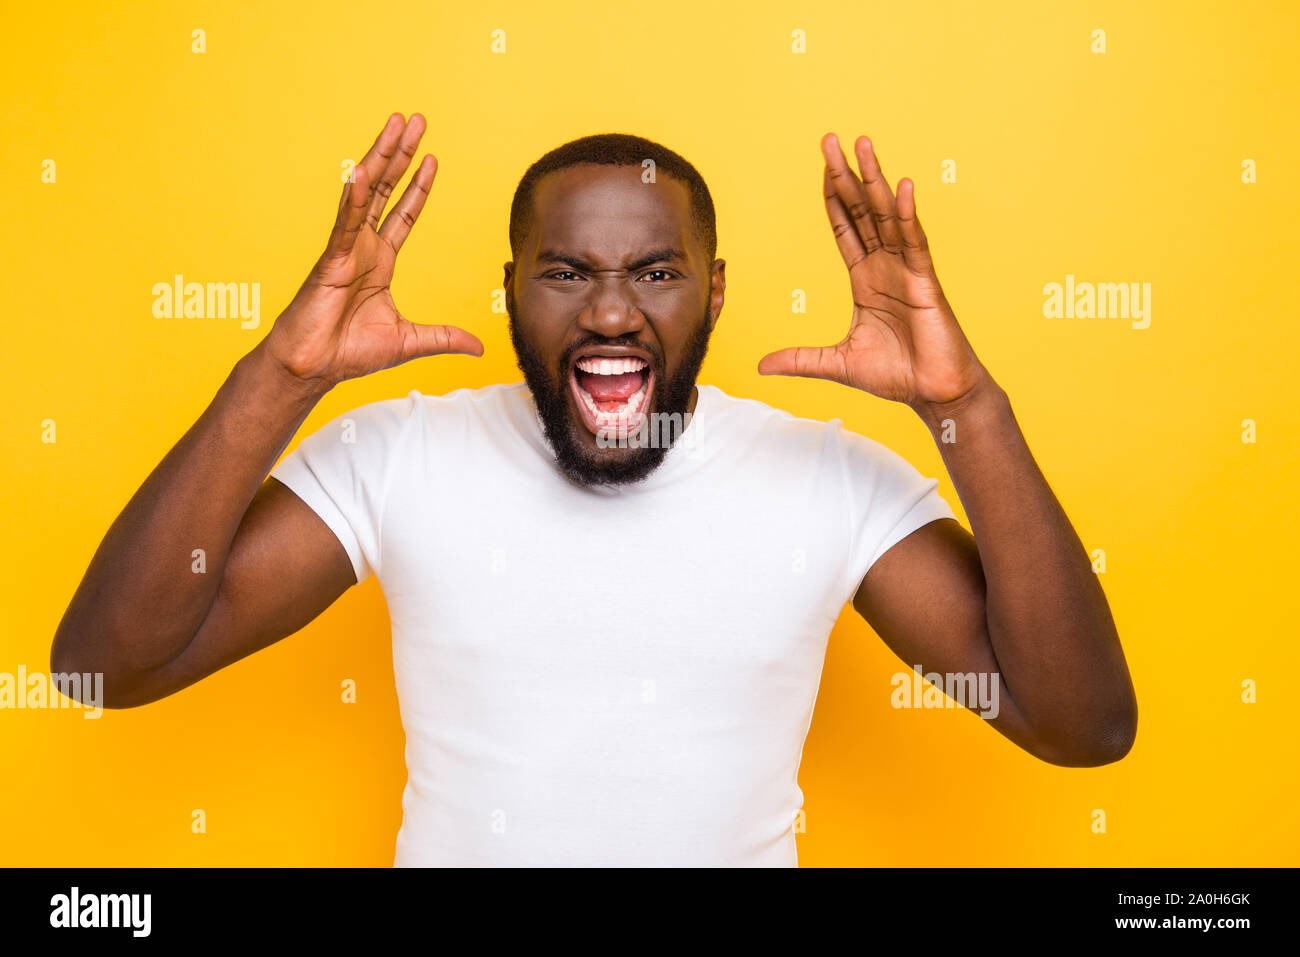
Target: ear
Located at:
point(507, 283)
point(717, 290)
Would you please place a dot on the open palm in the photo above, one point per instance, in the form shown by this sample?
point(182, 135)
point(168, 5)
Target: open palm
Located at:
point(343, 322)
point(903, 342)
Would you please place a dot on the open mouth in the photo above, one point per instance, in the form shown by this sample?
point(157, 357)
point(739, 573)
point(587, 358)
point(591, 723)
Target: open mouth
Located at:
point(612, 392)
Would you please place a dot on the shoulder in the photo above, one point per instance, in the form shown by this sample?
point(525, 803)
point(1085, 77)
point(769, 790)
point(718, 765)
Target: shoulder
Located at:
point(417, 410)
point(738, 414)
point(786, 433)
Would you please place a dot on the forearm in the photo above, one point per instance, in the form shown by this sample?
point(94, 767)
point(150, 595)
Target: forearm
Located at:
point(145, 593)
point(1048, 621)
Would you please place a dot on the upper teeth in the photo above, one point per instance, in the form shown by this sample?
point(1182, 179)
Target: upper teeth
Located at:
point(617, 366)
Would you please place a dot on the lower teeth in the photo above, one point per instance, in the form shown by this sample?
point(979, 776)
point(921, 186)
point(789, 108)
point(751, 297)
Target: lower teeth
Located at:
point(613, 415)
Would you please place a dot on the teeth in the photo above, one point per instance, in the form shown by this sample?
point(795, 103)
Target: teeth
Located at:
point(612, 365)
point(599, 365)
point(612, 417)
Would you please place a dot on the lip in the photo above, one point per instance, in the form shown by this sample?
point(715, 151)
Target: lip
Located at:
point(632, 422)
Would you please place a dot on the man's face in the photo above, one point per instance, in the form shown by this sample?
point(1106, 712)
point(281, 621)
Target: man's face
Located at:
point(611, 306)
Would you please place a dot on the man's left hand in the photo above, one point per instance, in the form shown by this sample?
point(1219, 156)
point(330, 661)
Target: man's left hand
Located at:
point(904, 342)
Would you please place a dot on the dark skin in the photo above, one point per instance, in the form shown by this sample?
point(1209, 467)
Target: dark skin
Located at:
point(1017, 598)
point(585, 278)
point(141, 616)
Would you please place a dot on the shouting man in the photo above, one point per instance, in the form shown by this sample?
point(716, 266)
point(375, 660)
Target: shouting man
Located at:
point(611, 588)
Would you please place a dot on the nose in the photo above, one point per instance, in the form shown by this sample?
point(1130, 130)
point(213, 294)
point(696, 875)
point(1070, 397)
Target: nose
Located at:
point(611, 311)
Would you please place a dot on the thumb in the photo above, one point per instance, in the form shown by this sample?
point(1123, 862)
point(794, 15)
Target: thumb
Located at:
point(438, 340)
point(812, 362)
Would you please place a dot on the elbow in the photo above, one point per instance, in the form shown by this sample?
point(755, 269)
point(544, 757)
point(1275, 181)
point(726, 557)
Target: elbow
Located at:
point(1103, 729)
point(1113, 736)
point(1110, 746)
point(1105, 742)
point(81, 679)
point(63, 661)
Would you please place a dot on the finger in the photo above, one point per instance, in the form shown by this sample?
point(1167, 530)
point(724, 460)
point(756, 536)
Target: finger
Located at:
point(343, 197)
point(849, 189)
point(846, 236)
point(398, 223)
point(382, 150)
point(401, 158)
point(811, 362)
point(916, 248)
point(352, 213)
point(880, 196)
point(439, 340)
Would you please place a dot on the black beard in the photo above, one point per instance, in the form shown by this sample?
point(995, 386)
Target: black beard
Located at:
point(565, 433)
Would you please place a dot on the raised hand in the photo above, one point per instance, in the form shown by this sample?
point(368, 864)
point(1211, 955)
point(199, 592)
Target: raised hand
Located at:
point(904, 342)
point(343, 322)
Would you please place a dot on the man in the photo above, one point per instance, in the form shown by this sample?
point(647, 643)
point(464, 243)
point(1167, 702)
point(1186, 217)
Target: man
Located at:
point(608, 637)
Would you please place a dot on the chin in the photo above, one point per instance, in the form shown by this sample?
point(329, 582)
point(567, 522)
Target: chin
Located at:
point(607, 392)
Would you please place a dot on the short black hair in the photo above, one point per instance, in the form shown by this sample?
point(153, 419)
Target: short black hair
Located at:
point(615, 149)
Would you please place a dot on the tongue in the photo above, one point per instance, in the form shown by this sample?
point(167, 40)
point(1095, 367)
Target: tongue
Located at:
point(610, 388)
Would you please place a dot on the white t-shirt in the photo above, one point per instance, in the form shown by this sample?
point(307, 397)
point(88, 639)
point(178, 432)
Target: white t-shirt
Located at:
point(606, 677)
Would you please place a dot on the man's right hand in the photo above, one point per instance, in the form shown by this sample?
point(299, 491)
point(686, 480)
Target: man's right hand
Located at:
point(343, 322)
point(141, 616)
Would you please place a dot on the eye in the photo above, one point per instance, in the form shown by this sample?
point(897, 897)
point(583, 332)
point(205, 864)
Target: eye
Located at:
point(663, 272)
point(560, 273)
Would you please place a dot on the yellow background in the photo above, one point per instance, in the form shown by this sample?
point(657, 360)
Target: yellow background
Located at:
point(1119, 167)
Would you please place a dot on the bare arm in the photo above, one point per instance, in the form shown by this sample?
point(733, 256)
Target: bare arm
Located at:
point(1019, 598)
point(144, 615)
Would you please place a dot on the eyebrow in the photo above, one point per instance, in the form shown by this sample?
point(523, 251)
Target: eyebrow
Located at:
point(666, 254)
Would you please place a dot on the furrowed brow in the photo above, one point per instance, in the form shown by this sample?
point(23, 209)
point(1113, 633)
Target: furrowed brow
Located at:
point(548, 256)
point(666, 254)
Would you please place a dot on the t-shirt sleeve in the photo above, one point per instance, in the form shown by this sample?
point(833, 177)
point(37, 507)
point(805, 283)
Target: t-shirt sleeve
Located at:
point(888, 500)
point(342, 472)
